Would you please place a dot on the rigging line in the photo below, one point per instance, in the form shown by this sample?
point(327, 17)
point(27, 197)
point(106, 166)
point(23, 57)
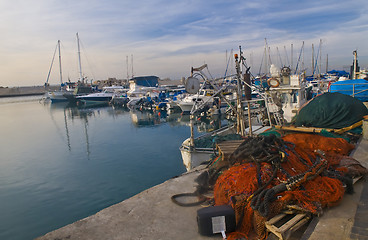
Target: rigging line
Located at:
point(209, 73)
point(300, 54)
point(287, 58)
point(70, 63)
point(227, 65)
point(315, 65)
point(260, 67)
point(278, 53)
point(52, 62)
point(269, 55)
point(88, 62)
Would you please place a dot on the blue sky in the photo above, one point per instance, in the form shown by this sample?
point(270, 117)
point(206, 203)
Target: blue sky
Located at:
point(167, 38)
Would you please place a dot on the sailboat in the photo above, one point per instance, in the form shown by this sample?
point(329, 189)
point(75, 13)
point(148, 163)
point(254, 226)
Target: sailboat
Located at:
point(81, 88)
point(65, 88)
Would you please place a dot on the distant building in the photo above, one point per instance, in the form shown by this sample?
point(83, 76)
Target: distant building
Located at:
point(110, 82)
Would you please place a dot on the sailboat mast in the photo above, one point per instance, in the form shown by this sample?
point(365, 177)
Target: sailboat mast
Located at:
point(132, 67)
point(327, 63)
point(320, 57)
point(79, 61)
point(303, 59)
point(127, 67)
point(313, 59)
point(265, 58)
point(61, 74)
point(292, 56)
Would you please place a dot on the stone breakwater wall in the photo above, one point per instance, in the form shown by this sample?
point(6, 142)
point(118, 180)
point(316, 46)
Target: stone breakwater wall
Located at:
point(23, 91)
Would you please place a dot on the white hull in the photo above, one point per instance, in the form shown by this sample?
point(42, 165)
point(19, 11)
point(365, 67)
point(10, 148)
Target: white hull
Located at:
point(58, 96)
point(193, 157)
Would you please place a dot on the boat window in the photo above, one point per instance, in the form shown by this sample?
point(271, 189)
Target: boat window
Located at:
point(294, 97)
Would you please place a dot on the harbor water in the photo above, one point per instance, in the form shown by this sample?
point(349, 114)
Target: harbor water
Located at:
point(60, 164)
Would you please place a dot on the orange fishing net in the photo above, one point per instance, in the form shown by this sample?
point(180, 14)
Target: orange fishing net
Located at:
point(236, 185)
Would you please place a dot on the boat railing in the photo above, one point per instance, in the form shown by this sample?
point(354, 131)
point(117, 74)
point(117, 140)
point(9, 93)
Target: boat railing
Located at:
point(355, 91)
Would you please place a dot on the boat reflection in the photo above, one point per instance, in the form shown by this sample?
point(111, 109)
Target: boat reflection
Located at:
point(144, 118)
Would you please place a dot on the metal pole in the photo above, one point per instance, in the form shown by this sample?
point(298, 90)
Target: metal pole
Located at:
point(79, 60)
point(61, 75)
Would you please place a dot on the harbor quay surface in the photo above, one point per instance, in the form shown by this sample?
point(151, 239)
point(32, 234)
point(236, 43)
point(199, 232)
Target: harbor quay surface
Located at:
point(152, 215)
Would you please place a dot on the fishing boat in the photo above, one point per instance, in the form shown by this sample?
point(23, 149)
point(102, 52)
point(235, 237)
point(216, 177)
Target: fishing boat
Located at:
point(276, 104)
point(356, 87)
point(200, 100)
point(192, 151)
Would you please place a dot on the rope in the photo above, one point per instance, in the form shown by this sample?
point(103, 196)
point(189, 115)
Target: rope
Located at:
point(261, 202)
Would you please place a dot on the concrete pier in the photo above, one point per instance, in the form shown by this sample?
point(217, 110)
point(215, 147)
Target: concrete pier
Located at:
point(149, 215)
point(152, 215)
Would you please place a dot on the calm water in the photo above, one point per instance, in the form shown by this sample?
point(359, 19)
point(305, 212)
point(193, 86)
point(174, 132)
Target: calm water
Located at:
point(61, 164)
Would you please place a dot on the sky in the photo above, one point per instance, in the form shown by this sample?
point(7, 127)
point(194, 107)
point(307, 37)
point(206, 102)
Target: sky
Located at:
point(166, 38)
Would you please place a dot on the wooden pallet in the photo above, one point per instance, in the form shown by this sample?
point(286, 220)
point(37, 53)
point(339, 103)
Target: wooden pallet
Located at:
point(226, 148)
point(288, 226)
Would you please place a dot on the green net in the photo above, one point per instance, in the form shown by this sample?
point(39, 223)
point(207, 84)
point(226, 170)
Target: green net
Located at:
point(210, 141)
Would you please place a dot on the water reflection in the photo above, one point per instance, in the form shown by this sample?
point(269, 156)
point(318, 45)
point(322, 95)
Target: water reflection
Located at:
point(145, 118)
point(139, 119)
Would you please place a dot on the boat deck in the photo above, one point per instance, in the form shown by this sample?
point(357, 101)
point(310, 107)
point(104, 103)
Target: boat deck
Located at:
point(227, 148)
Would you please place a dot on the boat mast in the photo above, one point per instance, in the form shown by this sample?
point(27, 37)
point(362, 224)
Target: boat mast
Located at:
point(127, 67)
point(132, 67)
point(320, 58)
point(303, 59)
point(291, 56)
point(313, 60)
point(265, 58)
point(240, 122)
point(61, 75)
point(327, 63)
point(79, 61)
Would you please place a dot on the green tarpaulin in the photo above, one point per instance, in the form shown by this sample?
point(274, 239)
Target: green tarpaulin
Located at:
point(331, 110)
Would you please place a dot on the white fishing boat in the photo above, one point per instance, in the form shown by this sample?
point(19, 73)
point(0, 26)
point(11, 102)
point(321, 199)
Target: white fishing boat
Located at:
point(196, 101)
point(282, 101)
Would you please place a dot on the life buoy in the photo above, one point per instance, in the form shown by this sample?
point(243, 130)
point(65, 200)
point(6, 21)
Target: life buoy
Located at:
point(271, 82)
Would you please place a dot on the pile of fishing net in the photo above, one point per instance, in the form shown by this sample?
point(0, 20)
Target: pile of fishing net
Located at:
point(269, 174)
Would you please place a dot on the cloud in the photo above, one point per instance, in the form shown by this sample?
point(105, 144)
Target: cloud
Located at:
point(167, 37)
